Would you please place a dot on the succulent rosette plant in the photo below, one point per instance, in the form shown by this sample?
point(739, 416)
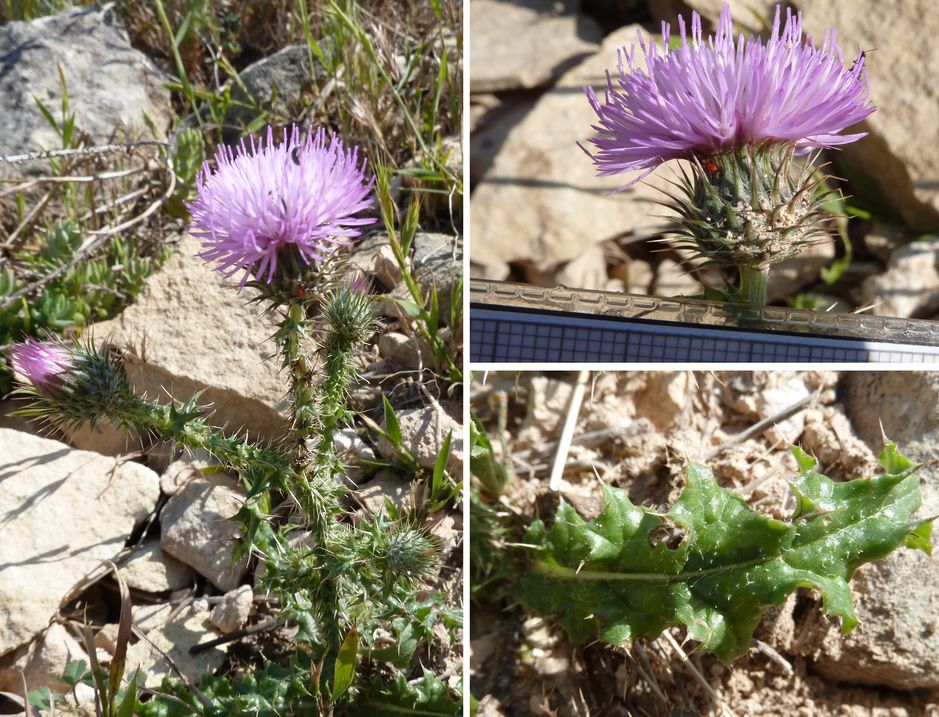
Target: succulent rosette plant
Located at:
point(737, 110)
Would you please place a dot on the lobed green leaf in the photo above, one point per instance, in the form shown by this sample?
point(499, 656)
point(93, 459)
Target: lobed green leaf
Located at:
point(620, 576)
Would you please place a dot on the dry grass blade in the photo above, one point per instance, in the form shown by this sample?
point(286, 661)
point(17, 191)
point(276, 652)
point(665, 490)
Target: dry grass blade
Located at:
point(116, 669)
point(696, 673)
point(567, 433)
point(100, 686)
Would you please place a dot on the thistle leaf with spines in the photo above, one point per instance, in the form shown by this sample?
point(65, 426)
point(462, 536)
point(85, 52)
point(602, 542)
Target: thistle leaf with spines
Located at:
point(617, 577)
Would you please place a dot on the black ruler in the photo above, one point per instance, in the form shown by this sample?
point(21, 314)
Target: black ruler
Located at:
point(518, 323)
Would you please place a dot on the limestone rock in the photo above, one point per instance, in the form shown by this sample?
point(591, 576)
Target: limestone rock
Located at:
point(197, 530)
point(672, 280)
point(385, 484)
point(663, 398)
point(910, 286)
point(180, 472)
point(95, 56)
point(840, 453)
point(105, 438)
point(788, 277)
point(541, 199)
point(409, 351)
point(234, 609)
point(49, 656)
point(423, 431)
point(498, 115)
point(524, 44)
point(354, 452)
point(373, 257)
point(147, 617)
point(149, 569)
point(587, 271)
point(91, 501)
point(901, 155)
point(191, 331)
point(175, 638)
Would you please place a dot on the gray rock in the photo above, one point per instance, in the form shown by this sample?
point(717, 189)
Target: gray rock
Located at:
point(149, 569)
point(191, 330)
point(438, 262)
point(197, 529)
point(276, 83)
point(526, 43)
point(423, 432)
point(232, 612)
point(110, 84)
point(62, 512)
point(175, 638)
point(385, 484)
point(910, 286)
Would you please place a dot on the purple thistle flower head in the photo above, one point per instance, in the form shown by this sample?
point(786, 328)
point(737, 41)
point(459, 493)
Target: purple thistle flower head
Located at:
point(717, 94)
point(44, 364)
point(304, 194)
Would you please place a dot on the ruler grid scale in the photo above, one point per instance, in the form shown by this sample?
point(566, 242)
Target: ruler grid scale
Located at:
point(520, 323)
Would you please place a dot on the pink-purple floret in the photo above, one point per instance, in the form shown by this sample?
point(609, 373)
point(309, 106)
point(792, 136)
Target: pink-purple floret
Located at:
point(42, 363)
point(715, 94)
point(304, 191)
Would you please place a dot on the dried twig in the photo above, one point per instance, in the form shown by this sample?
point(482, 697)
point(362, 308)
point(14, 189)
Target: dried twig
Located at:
point(762, 425)
point(127, 148)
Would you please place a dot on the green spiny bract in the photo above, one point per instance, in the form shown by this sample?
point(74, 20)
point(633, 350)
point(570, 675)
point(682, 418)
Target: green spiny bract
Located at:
point(750, 207)
point(350, 317)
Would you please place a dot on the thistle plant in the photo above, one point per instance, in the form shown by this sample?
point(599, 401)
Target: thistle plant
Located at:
point(276, 215)
point(737, 112)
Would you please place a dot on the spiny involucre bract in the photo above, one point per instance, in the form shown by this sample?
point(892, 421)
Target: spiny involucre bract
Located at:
point(736, 111)
point(618, 577)
point(305, 193)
